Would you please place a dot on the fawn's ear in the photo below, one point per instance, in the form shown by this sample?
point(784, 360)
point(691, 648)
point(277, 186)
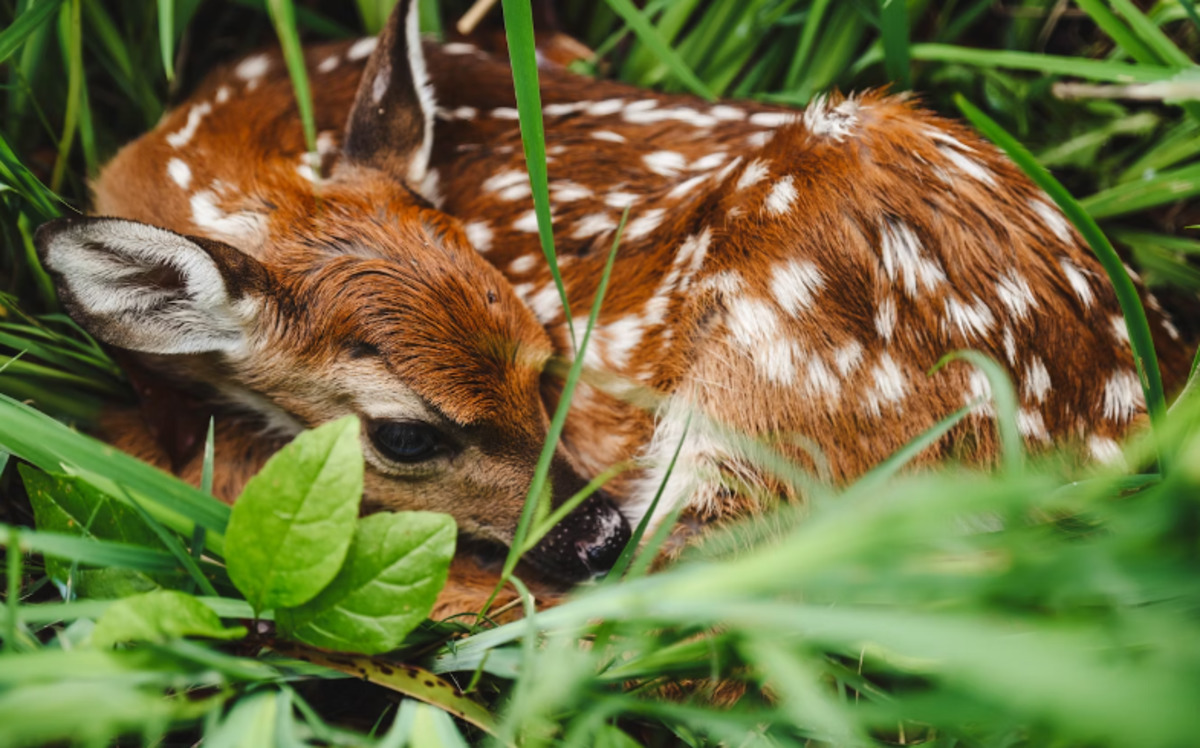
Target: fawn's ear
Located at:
point(147, 289)
point(391, 125)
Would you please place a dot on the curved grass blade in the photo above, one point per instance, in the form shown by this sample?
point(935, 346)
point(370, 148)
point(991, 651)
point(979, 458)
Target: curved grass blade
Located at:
point(882, 472)
point(90, 551)
point(1131, 197)
point(283, 18)
point(34, 16)
point(1104, 70)
point(71, 39)
point(648, 35)
point(1004, 397)
point(1131, 305)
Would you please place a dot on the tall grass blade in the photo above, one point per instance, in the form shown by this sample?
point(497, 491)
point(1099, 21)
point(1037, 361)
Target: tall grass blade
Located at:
point(538, 486)
point(1131, 197)
point(893, 25)
point(103, 553)
point(283, 17)
point(23, 27)
point(71, 39)
point(522, 52)
point(166, 36)
point(648, 35)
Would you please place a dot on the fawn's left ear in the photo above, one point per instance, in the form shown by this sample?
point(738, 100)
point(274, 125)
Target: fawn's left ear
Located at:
point(391, 125)
point(150, 290)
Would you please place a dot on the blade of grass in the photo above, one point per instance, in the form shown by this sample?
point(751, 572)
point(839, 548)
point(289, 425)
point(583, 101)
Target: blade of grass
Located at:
point(103, 553)
point(542, 469)
point(884, 471)
point(1004, 398)
point(166, 36)
point(1116, 29)
point(893, 25)
point(522, 52)
point(1121, 72)
point(206, 484)
point(19, 30)
point(13, 588)
point(283, 18)
point(648, 35)
point(1131, 197)
point(1131, 305)
point(71, 40)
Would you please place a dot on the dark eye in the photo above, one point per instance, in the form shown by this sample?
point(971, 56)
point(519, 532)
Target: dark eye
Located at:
point(408, 441)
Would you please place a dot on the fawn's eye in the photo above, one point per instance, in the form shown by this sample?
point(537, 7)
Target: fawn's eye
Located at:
point(408, 441)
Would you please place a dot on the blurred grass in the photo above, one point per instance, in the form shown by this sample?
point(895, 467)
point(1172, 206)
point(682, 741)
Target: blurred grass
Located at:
point(946, 609)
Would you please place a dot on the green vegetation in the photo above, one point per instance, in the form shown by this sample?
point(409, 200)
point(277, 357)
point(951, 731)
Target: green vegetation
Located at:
point(1032, 606)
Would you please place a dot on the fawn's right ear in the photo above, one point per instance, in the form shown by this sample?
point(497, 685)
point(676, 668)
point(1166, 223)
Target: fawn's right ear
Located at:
point(147, 289)
point(391, 124)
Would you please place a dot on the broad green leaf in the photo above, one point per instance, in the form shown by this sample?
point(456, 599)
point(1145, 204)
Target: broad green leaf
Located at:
point(396, 566)
point(158, 616)
point(291, 527)
point(251, 723)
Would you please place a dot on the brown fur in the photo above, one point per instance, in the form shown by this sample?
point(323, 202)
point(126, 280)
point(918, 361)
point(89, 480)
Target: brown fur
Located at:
point(358, 259)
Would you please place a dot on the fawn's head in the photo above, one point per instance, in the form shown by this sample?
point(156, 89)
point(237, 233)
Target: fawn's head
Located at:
point(359, 299)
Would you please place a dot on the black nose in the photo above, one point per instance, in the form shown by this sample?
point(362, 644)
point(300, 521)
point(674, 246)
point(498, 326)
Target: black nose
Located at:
point(586, 543)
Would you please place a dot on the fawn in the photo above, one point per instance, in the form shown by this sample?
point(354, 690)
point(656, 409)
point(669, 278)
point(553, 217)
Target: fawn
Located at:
point(786, 275)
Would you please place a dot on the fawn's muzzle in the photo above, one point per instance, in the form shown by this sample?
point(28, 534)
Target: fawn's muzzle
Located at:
point(586, 543)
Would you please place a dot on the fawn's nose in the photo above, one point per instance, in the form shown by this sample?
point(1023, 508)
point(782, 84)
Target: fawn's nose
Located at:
point(586, 543)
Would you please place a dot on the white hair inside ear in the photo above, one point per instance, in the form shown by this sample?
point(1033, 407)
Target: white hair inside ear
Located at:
point(419, 165)
point(143, 288)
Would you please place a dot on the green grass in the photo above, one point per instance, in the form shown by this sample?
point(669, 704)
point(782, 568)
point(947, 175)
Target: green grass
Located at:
point(1033, 606)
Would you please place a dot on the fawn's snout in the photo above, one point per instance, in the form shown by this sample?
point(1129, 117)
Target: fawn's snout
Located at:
point(586, 544)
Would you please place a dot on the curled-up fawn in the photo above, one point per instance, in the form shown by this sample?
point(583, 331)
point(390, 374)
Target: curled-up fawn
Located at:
point(784, 275)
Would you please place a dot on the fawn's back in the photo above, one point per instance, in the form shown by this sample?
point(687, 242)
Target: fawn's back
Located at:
point(786, 275)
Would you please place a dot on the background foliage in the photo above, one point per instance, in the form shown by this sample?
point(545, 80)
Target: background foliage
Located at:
point(1032, 607)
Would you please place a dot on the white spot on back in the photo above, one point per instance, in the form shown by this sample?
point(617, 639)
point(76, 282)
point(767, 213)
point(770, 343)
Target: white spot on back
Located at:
point(1055, 220)
point(1120, 329)
point(329, 64)
point(523, 264)
point(504, 180)
point(605, 108)
point(772, 119)
point(253, 67)
point(179, 172)
point(967, 165)
point(968, 319)
point(1037, 380)
point(902, 259)
point(608, 135)
point(480, 235)
point(885, 319)
point(236, 227)
point(1123, 396)
point(1014, 293)
point(666, 163)
point(458, 48)
point(1031, 425)
point(1105, 450)
point(620, 200)
point(546, 304)
point(795, 284)
point(726, 113)
point(505, 112)
point(181, 137)
point(1078, 282)
point(754, 173)
point(593, 224)
point(362, 48)
point(527, 222)
point(644, 224)
point(888, 385)
point(781, 196)
point(847, 358)
point(568, 191)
